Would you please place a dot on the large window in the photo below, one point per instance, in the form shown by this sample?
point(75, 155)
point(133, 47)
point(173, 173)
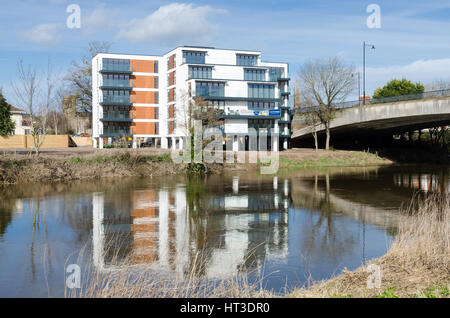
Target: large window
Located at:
point(116, 96)
point(261, 123)
point(194, 57)
point(275, 73)
point(246, 60)
point(210, 89)
point(116, 65)
point(261, 105)
point(261, 91)
point(116, 80)
point(254, 75)
point(200, 72)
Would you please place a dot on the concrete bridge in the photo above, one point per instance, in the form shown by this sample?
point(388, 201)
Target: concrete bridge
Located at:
point(384, 118)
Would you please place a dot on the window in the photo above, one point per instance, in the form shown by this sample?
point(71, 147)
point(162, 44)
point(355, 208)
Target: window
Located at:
point(156, 81)
point(246, 60)
point(261, 91)
point(200, 72)
point(192, 57)
point(207, 89)
point(260, 105)
point(275, 73)
point(156, 66)
point(116, 65)
point(116, 80)
point(254, 75)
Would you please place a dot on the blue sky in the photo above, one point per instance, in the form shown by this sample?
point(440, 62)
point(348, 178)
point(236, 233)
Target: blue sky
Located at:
point(413, 41)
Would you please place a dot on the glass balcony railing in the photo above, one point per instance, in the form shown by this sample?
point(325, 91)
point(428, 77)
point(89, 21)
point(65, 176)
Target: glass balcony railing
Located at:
point(116, 100)
point(194, 60)
point(117, 84)
point(119, 68)
point(117, 116)
point(116, 132)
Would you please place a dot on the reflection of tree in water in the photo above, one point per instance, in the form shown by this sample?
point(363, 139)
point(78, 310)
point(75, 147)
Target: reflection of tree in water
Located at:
point(7, 206)
point(321, 234)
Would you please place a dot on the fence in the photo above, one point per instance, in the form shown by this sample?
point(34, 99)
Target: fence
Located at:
point(26, 141)
point(392, 99)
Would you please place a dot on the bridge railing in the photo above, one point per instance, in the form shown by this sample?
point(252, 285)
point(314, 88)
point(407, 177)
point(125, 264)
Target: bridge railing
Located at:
point(348, 104)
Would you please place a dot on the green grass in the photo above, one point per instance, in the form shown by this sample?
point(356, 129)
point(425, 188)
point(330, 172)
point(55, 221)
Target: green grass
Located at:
point(388, 293)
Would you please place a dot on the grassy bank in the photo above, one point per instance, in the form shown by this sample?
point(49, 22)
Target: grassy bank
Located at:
point(302, 158)
point(77, 164)
point(416, 265)
point(16, 170)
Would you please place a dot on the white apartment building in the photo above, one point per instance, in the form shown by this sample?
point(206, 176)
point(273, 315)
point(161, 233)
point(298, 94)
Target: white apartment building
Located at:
point(144, 98)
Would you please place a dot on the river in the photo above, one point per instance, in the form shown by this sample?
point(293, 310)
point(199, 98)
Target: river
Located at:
point(288, 228)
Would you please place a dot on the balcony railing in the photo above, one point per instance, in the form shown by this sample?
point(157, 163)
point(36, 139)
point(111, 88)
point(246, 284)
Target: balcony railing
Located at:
point(116, 100)
point(116, 116)
point(116, 68)
point(108, 132)
point(115, 84)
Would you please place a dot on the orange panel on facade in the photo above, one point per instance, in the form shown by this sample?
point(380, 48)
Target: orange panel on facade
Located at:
point(143, 128)
point(143, 112)
point(171, 94)
point(171, 111)
point(172, 78)
point(143, 66)
point(140, 81)
point(143, 97)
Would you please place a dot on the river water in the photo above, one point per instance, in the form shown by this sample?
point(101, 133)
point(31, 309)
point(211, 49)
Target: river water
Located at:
point(287, 228)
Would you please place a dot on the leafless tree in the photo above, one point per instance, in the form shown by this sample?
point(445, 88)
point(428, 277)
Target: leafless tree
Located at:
point(80, 75)
point(326, 82)
point(27, 92)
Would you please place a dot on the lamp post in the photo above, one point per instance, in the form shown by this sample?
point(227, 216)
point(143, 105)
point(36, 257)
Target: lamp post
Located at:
point(364, 68)
point(359, 87)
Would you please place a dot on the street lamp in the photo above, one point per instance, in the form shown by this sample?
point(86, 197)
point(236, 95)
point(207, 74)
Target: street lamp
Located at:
point(364, 68)
point(359, 87)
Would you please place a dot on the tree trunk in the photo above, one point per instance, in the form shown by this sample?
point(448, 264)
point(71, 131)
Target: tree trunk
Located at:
point(327, 143)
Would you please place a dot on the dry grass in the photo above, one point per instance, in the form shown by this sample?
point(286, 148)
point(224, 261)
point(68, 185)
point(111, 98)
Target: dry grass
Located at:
point(416, 265)
point(123, 278)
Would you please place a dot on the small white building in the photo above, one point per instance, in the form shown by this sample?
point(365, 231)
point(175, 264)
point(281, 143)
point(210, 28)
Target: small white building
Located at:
point(22, 121)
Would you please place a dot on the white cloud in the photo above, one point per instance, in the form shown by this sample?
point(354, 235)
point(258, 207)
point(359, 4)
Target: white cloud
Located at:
point(172, 24)
point(424, 71)
point(43, 34)
point(100, 19)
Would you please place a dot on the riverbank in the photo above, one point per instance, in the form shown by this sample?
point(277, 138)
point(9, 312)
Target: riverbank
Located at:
point(87, 163)
point(416, 265)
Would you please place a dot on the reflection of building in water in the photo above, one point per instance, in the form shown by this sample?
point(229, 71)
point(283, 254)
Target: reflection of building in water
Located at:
point(426, 182)
point(160, 230)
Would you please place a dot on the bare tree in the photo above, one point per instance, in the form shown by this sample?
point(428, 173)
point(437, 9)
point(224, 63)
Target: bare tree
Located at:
point(80, 75)
point(26, 90)
point(326, 82)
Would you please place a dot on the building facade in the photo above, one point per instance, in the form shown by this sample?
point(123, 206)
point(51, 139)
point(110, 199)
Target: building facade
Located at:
point(143, 99)
point(22, 121)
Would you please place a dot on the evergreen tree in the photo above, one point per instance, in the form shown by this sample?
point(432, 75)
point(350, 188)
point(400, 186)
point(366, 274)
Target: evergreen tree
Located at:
point(6, 124)
point(397, 88)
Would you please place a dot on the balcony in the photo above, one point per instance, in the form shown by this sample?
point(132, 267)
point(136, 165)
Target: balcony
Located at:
point(116, 101)
point(117, 116)
point(114, 84)
point(116, 69)
point(107, 132)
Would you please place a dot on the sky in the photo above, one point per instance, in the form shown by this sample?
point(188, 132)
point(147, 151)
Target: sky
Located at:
point(412, 40)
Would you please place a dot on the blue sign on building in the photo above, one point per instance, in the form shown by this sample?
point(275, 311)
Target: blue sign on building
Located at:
point(274, 112)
